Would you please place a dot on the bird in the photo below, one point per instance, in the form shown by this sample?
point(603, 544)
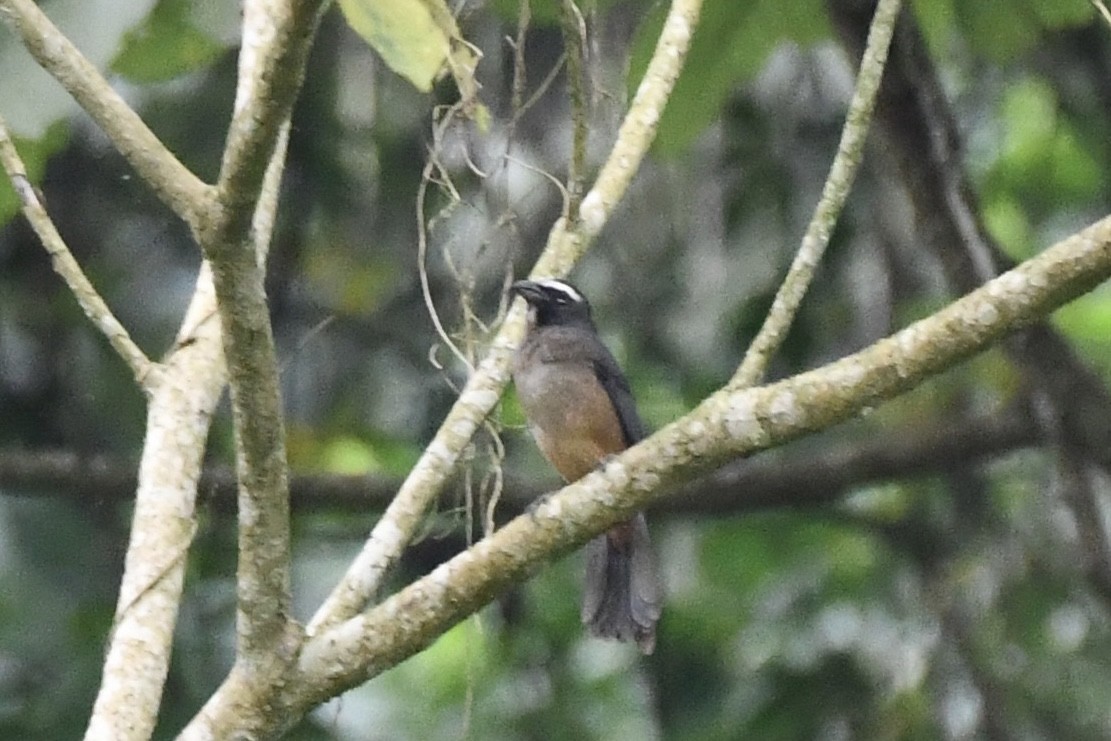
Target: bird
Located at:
point(580, 411)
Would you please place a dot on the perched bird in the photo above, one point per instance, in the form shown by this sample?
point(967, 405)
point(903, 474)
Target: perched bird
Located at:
point(580, 411)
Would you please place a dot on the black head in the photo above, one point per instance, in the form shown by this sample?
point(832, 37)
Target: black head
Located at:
point(553, 302)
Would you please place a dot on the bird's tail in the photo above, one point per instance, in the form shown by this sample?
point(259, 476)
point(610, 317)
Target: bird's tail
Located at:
point(621, 596)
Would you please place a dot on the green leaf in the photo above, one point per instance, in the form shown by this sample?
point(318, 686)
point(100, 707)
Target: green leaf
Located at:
point(1000, 31)
point(166, 45)
point(730, 46)
point(1006, 220)
point(1041, 155)
point(935, 18)
point(1061, 13)
point(1088, 323)
point(405, 34)
point(349, 455)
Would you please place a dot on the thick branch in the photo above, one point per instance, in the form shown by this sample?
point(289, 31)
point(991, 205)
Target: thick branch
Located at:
point(728, 424)
point(182, 399)
point(922, 138)
point(794, 479)
point(483, 389)
point(277, 36)
point(175, 185)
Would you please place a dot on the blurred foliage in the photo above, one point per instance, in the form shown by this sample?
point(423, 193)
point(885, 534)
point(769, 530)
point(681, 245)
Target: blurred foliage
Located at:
point(951, 605)
point(731, 45)
point(166, 45)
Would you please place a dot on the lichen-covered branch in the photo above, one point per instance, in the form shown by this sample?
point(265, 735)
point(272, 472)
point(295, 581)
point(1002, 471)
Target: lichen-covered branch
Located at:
point(850, 151)
point(182, 397)
point(923, 142)
point(277, 35)
point(178, 188)
point(483, 389)
point(731, 422)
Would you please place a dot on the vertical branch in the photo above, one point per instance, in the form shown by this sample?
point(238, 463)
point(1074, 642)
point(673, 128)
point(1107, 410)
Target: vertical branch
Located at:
point(574, 40)
point(834, 193)
point(182, 400)
point(182, 396)
point(277, 36)
point(638, 130)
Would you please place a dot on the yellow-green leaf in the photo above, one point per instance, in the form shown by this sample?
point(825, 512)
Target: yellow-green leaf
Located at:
point(405, 34)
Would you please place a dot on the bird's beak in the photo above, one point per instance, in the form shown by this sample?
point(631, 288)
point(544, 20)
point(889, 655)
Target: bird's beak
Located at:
point(527, 289)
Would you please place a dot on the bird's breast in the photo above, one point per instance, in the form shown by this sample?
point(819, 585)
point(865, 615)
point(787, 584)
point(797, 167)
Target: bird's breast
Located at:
point(570, 415)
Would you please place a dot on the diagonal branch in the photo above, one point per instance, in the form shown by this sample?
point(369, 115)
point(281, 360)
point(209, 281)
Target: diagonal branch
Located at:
point(922, 138)
point(483, 389)
point(277, 36)
point(66, 266)
point(850, 151)
point(174, 184)
point(729, 423)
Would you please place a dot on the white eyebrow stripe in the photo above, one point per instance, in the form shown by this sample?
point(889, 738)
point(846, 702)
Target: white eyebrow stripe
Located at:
point(558, 285)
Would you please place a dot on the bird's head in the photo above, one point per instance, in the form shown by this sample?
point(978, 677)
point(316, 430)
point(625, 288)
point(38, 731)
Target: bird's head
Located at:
point(553, 302)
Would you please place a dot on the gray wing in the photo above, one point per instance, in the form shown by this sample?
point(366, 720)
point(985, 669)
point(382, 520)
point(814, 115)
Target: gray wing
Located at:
point(617, 387)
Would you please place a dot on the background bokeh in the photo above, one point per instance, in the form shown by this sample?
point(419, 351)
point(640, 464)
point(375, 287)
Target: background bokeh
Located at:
point(954, 597)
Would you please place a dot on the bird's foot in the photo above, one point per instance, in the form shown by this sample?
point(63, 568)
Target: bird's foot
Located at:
point(534, 505)
point(604, 461)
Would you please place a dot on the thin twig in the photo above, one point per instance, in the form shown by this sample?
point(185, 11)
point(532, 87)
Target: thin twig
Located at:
point(542, 88)
point(67, 266)
point(638, 129)
point(174, 184)
point(520, 69)
point(397, 525)
point(431, 165)
point(834, 193)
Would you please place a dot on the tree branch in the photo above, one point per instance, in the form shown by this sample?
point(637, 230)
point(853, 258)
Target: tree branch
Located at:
point(483, 389)
point(729, 423)
point(277, 36)
point(174, 184)
point(638, 129)
point(182, 399)
point(813, 476)
point(922, 138)
point(574, 41)
point(850, 150)
point(67, 266)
